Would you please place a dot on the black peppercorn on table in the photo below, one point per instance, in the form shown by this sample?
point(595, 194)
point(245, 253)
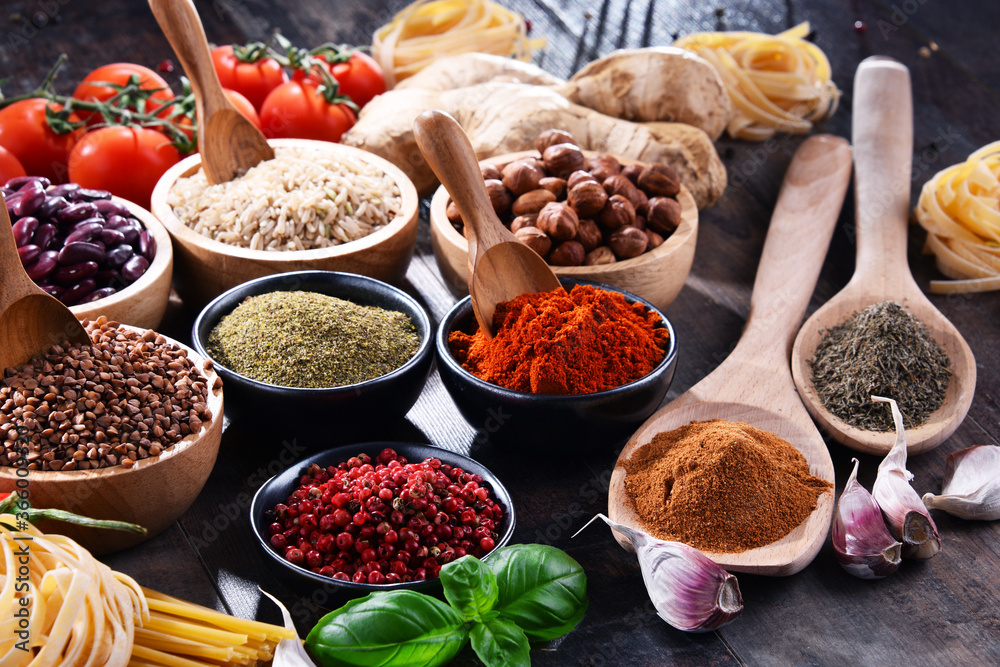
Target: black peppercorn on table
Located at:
point(941, 611)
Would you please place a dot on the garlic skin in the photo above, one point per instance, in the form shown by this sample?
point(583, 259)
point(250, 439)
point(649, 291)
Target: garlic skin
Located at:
point(288, 652)
point(908, 520)
point(861, 541)
point(689, 590)
point(971, 486)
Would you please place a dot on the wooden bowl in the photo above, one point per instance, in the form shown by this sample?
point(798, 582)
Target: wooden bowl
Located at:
point(142, 303)
point(153, 493)
point(657, 275)
point(207, 268)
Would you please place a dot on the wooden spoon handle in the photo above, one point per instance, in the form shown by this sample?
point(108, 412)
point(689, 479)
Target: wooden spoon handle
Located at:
point(882, 132)
point(14, 282)
point(801, 227)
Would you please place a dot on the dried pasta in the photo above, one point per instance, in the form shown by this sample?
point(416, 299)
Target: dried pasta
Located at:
point(960, 209)
point(429, 29)
point(777, 83)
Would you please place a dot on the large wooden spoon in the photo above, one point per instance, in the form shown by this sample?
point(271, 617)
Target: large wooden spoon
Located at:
point(883, 140)
point(754, 384)
point(229, 143)
point(501, 268)
point(31, 321)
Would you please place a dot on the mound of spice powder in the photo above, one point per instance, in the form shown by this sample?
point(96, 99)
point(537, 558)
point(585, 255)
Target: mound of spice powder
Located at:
point(577, 342)
point(721, 486)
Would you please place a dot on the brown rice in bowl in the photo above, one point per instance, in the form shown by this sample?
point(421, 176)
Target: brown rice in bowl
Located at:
point(303, 199)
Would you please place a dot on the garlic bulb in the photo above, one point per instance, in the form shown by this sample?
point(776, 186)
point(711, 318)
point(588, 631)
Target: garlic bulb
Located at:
point(861, 541)
point(288, 652)
point(908, 520)
point(971, 487)
point(689, 590)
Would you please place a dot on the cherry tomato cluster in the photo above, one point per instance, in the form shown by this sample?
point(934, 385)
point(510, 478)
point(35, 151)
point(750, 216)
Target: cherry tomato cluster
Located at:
point(123, 126)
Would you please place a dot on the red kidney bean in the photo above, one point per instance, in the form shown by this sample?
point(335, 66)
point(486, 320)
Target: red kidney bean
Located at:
point(45, 235)
point(43, 267)
point(111, 237)
point(74, 273)
point(75, 292)
point(147, 245)
point(87, 230)
point(99, 293)
point(28, 253)
point(134, 268)
point(63, 190)
point(51, 206)
point(54, 290)
point(80, 251)
point(32, 195)
point(116, 221)
point(131, 231)
point(108, 277)
point(12, 201)
point(24, 230)
point(118, 255)
point(76, 212)
point(90, 194)
point(20, 181)
point(106, 207)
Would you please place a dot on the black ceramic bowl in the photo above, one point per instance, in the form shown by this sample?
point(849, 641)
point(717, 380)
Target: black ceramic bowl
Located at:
point(318, 587)
point(326, 416)
point(546, 423)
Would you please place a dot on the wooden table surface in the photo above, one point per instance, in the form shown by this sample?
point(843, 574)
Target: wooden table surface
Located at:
point(943, 611)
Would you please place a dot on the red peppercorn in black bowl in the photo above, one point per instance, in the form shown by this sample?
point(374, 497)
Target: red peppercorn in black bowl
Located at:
point(380, 515)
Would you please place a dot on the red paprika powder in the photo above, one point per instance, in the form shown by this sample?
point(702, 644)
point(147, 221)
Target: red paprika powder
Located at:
point(578, 342)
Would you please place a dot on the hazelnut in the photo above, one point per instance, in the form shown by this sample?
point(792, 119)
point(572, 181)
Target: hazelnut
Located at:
point(601, 255)
point(454, 217)
point(567, 253)
point(587, 198)
point(620, 185)
point(664, 215)
point(556, 186)
point(617, 212)
point(631, 172)
point(589, 234)
point(628, 242)
point(521, 176)
point(563, 159)
point(654, 239)
point(602, 166)
point(578, 177)
point(535, 239)
point(522, 221)
point(499, 196)
point(490, 170)
point(532, 202)
point(551, 138)
point(640, 221)
point(659, 180)
point(559, 221)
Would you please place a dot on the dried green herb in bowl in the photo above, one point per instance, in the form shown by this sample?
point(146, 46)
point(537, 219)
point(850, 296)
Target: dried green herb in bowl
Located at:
point(310, 340)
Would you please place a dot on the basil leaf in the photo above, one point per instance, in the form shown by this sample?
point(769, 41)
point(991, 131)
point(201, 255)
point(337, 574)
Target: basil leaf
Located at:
point(397, 628)
point(542, 589)
point(469, 586)
point(500, 643)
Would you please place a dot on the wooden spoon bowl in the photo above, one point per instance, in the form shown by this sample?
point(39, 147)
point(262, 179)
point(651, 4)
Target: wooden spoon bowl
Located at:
point(754, 384)
point(883, 139)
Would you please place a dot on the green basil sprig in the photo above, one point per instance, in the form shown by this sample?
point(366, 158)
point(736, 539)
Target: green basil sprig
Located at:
point(523, 592)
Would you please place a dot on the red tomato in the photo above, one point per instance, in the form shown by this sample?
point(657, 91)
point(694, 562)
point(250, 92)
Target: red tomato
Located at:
point(91, 89)
point(243, 105)
point(10, 166)
point(297, 109)
point(25, 132)
point(252, 80)
point(127, 161)
point(185, 123)
point(360, 78)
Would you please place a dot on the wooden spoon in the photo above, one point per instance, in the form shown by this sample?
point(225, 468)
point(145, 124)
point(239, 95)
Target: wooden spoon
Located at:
point(883, 140)
point(31, 320)
point(229, 143)
point(501, 268)
point(753, 384)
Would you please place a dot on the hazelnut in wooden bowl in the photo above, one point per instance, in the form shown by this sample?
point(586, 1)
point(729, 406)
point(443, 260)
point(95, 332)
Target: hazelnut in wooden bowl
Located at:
point(591, 216)
point(125, 429)
point(316, 206)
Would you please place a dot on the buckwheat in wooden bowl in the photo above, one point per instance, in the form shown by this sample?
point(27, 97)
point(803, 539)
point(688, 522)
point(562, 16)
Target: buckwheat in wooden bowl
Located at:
point(223, 241)
point(155, 488)
point(657, 274)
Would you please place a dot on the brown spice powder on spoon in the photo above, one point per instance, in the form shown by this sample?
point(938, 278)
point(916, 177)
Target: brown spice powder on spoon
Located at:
point(721, 486)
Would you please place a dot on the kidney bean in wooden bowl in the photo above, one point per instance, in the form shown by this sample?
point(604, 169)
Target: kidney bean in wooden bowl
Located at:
point(592, 216)
point(127, 428)
point(98, 254)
